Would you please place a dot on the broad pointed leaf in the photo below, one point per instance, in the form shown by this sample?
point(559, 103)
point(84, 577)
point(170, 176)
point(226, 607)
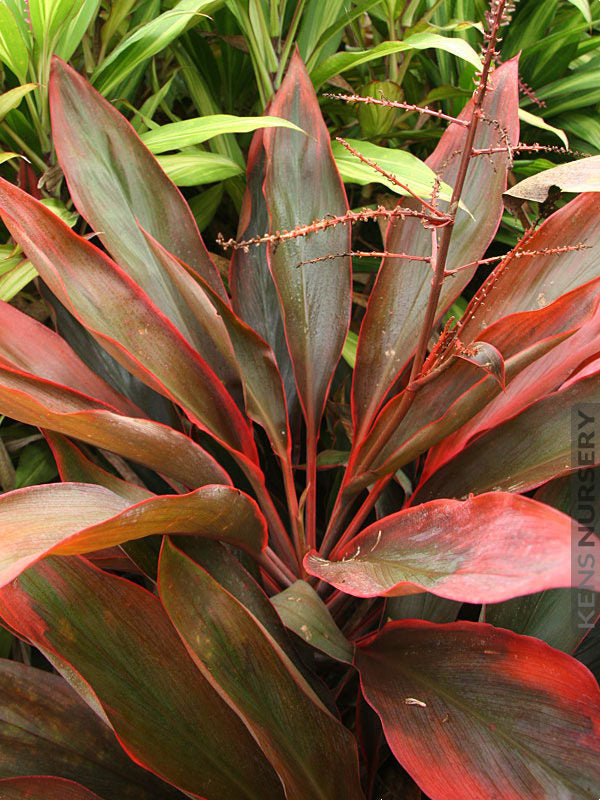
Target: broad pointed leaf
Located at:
point(72, 518)
point(575, 176)
point(254, 296)
point(541, 338)
point(483, 550)
point(43, 789)
point(263, 388)
point(543, 376)
point(474, 712)
point(116, 182)
point(397, 304)
point(47, 729)
point(74, 467)
point(49, 405)
point(302, 611)
point(530, 282)
point(301, 185)
point(32, 347)
point(164, 713)
point(521, 453)
point(312, 753)
point(121, 317)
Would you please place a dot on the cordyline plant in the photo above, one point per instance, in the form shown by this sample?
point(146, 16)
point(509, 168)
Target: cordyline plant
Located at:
point(224, 641)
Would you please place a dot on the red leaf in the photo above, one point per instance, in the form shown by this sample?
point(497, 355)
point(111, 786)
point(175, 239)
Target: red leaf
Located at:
point(122, 318)
point(43, 789)
point(48, 729)
point(118, 637)
point(483, 550)
point(520, 453)
point(253, 292)
point(302, 184)
point(474, 712)
point(73, 518)
point(397, 304)
point(48, 405)
point(114, 181)
point(29, 346)
point(313, 754)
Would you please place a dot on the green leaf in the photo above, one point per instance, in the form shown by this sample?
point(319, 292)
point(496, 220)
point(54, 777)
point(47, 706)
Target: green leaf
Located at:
point(409, 169)
point(6, 156)
point(146, 42)
point(13, 50)
point(12, 98)
point(584, 7)
point(197, 167)
point(12, 282)
point(178, 135)
point(48, 729)
point(313, 754)
point(302, 611)
point(81, 17)
point(36, 465)
point(538, 122)
point(340, 62)
point(166, 715)
point(349, 349)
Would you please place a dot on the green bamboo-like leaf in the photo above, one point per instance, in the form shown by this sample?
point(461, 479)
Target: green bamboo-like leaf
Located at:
point(186, 133)
point(584, 7)
point(47, 729)
point(473, 711)
point(196, 167)
point(12, 98)
point(73, 518)
point(340, 62)
point(409, 169)
point(146, 42)
point(309, 749)
point(164, 712)
point(302, 611)
point(538, 122)
point(13, 50)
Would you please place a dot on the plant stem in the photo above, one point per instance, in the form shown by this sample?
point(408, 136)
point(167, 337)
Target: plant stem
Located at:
point(272, 564)
point(311, 490)
point(276, 528)
point(294, 511)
